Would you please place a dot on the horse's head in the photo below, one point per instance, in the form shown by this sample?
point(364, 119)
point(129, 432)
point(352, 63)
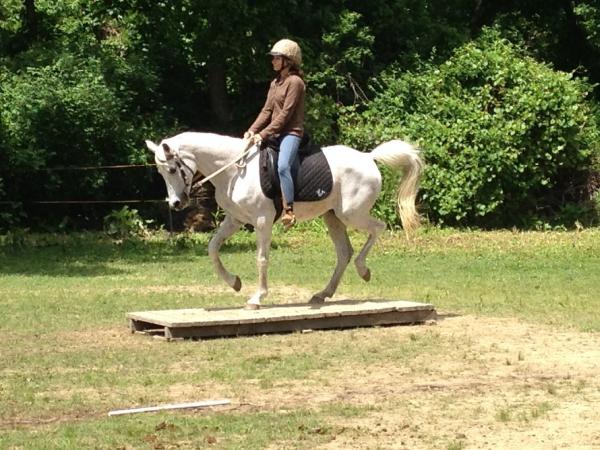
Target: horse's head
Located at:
point(177, 170)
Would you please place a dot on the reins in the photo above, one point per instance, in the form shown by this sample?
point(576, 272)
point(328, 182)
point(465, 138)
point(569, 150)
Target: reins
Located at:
point(240, 157)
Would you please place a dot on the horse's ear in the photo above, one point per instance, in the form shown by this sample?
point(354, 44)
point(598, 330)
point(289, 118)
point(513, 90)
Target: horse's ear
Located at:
point(168, 153)
point(151, 146)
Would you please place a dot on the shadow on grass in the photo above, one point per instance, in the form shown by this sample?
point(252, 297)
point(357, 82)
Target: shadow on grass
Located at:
point(92, 256)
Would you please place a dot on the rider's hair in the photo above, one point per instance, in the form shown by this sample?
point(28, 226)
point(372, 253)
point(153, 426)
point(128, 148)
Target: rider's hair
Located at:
point(295, 69)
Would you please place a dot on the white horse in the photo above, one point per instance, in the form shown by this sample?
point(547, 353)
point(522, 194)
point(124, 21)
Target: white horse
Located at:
point(356, 185)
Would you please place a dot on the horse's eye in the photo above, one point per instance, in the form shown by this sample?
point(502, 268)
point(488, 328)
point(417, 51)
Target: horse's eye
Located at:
point(172, 170)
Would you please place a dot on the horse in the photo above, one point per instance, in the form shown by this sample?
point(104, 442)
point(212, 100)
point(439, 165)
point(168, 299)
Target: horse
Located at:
point(356, 186)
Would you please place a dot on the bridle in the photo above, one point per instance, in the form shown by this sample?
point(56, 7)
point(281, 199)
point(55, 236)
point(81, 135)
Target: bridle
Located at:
point(175, 163)
point(180, 165)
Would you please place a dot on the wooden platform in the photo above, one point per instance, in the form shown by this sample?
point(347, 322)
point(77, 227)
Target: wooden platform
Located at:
point(203, 323)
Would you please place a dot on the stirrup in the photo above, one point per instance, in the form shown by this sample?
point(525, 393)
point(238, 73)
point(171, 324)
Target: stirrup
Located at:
point(288, 220)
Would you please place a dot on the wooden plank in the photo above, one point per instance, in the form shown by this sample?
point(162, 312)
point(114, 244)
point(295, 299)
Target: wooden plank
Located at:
point(276, 313)
point(220, 322)
point(141, 326)
point(391, 318)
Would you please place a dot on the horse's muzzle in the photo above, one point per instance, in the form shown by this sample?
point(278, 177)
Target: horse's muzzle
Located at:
point(179, 203)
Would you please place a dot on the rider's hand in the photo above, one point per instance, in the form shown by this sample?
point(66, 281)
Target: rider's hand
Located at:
point(256, 139)
point(248, 134)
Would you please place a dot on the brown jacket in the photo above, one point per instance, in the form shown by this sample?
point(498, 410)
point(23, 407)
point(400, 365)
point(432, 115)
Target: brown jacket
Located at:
point(283, 111)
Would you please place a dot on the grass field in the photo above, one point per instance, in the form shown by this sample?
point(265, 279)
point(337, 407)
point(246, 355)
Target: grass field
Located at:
point(514, 360)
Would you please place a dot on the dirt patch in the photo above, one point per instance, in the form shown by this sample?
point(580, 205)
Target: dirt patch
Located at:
point(500, 384)
point(488, 383)
point(497, 384)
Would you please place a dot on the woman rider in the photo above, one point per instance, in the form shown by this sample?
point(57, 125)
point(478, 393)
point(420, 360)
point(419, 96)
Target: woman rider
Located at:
point(282, 116)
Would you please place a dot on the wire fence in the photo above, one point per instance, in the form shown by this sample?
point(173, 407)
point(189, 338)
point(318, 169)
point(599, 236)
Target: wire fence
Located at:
point(78, 202)
point(84, 202)
point(121, 166)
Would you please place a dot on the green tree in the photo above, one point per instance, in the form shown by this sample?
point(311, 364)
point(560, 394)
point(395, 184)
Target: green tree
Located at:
point(507, 140)
point(150, 68)
point(561, 32)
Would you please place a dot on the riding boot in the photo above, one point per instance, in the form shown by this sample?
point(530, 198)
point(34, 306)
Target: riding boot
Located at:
point(288, 219)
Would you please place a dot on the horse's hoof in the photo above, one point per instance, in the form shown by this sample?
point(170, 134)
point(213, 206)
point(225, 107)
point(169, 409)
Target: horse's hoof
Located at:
point(367, 275)
point(316, 300)
point(237, 285)
point(251, 307)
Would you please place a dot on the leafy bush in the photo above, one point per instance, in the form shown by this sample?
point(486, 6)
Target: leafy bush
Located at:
point(321, 118)
point(63, 112)
point(79, 90)
point(66, 114)
point(345, 53)
point(507, 140)
point(124, 223)
point(346, 50)
point(589, 16)
point(13, 239)
point(59, 115)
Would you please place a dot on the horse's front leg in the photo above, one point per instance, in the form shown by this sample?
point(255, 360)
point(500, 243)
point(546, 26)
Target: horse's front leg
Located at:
point(227, 228)
point(263, 230)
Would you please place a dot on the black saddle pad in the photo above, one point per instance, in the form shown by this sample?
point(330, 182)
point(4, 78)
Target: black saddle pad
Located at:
point(312, 176)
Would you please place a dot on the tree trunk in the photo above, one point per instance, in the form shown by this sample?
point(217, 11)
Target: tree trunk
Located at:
point(484, 13)
point(30, 18)
point(217, 87)
point(581, 51)
point(477, 17)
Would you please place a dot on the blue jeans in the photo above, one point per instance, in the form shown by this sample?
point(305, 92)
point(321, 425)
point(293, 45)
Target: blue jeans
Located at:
point(288, 150)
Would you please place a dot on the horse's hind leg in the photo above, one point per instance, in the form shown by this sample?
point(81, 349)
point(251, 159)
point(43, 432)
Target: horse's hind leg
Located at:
point(374, 227)
point(343, 248)
point(227, 228)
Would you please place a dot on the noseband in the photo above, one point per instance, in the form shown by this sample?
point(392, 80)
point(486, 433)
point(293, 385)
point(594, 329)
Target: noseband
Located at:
point(177, 164)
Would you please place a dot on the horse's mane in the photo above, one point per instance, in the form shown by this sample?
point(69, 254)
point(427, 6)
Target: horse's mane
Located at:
point(204, 139)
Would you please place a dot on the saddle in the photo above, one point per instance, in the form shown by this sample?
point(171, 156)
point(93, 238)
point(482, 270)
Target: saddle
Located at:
point(311, 173)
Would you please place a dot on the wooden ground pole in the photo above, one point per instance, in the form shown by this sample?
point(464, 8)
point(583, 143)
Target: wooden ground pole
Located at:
point(220, 322)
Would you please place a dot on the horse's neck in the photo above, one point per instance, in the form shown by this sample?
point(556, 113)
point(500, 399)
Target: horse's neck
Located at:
point(212, 152)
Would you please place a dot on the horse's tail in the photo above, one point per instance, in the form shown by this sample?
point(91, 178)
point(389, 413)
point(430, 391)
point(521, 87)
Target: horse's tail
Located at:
point(402, 155)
